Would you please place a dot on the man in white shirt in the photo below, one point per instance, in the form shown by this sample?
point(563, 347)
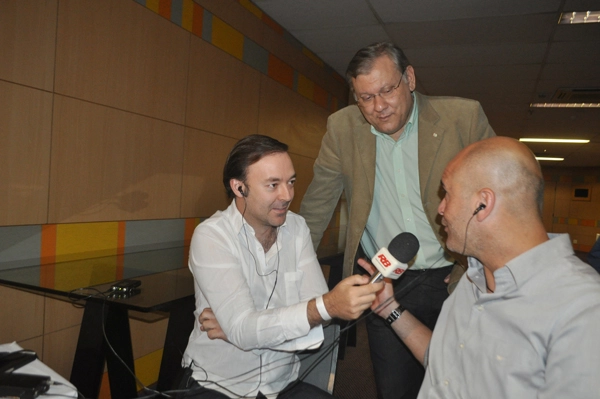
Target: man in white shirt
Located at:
point(260, 293)
point(524, 320)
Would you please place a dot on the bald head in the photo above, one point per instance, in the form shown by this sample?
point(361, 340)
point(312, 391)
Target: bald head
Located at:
point(507, 167)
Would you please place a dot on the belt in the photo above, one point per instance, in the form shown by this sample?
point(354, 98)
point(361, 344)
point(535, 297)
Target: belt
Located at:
point(419, 271)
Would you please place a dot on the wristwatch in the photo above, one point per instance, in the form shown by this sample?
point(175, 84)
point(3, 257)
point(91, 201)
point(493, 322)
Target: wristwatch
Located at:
point(395, 315)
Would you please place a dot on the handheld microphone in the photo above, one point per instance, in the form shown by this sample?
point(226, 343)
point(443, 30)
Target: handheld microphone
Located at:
point(391, 262)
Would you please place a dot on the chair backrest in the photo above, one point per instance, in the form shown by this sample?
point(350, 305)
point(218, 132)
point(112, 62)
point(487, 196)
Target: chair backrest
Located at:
point(318, 367)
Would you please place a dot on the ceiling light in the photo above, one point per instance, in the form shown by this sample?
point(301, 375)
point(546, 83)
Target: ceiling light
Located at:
point(579, 17)
point(549, 159)
point(532, 140)
point(564, 105)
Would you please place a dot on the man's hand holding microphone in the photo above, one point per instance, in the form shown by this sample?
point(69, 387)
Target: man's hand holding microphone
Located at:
point(391, 263)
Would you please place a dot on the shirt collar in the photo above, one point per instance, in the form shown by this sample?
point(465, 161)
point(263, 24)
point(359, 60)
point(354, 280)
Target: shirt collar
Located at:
point(525, 266)
point(408, 128)
point(242, 227)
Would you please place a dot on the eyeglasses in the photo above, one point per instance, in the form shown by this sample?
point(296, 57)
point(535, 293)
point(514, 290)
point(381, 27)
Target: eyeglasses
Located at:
point(386, 93)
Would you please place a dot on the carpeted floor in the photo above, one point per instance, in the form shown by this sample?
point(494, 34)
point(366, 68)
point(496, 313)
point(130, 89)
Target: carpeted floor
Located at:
point(354, 378)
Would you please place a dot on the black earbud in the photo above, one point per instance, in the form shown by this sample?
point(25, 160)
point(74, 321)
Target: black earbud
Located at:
point(241, 191)
point(480, 208)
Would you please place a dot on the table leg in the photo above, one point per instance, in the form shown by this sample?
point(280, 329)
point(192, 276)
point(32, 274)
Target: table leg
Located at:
point(181, 324)
point(92, 351)
point(122, 381)
point(88, 364)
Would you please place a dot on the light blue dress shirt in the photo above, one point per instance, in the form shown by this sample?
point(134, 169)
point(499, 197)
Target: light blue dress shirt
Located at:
point(397, 205)
point(535, 336)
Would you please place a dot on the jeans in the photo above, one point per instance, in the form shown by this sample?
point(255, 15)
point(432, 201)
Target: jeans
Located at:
point(398, 374)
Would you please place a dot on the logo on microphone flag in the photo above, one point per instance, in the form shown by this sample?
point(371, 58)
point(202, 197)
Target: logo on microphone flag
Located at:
point(384, 261)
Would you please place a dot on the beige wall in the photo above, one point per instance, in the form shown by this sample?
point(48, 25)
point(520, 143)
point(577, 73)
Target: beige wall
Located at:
point(565, 214)
point(109, 111)
point(105, 101)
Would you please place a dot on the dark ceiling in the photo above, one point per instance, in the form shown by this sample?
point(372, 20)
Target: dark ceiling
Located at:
point(506, 54)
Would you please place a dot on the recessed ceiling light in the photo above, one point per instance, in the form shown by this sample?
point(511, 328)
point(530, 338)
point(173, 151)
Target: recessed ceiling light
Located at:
point(533, 140)
point(549, 159)
point(579, 17)
point(564, 105)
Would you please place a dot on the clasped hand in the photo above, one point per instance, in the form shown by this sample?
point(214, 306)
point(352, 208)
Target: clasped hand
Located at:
point(209, 324)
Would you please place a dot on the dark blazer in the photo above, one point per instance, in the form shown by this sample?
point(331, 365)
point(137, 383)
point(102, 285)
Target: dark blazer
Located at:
point(346, 162)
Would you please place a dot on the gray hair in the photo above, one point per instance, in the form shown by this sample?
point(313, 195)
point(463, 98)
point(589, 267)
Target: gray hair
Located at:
point(362, 62)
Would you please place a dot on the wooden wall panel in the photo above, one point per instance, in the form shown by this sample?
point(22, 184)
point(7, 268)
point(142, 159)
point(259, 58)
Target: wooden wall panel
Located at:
point(304, 175)
point(132, 120)
point(274, 41)
point(223, 92)
point(25, 119)
point(291, 118)
point(112, 165)
point(59, 350)
point(583, 210)
point(147, 337)
point(61, 314)
point(277, 44)
point(562, 199)
point(202, 191)
point(27, 38)
point(119, 54)
point(23, 318)
point(234, 14)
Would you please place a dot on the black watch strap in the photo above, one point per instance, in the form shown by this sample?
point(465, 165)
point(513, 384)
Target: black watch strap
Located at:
point(395, 315)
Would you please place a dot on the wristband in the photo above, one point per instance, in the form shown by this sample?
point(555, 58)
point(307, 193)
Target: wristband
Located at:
point(321, 308)
point(395, 315)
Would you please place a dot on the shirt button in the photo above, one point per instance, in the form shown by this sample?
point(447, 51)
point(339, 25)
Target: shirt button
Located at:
point(461, 346)
point(435, 135)
point(480, 308)
point(446, 382)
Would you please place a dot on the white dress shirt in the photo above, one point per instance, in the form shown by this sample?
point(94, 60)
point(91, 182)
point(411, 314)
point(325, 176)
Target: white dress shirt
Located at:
point(536, 336)
point(260, 301)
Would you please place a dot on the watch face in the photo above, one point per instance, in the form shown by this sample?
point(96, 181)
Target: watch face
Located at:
point(395, 315)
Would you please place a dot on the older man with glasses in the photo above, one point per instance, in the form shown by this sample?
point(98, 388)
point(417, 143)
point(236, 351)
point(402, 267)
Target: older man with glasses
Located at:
point(387, 154)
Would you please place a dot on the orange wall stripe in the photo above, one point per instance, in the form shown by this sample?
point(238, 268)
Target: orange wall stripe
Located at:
point(104, 387)
point(320, 96)
point(281, 72)
point(190, 225)
point(48, 255)
point(197, 20)
point(272, 24)
point(164, 8)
